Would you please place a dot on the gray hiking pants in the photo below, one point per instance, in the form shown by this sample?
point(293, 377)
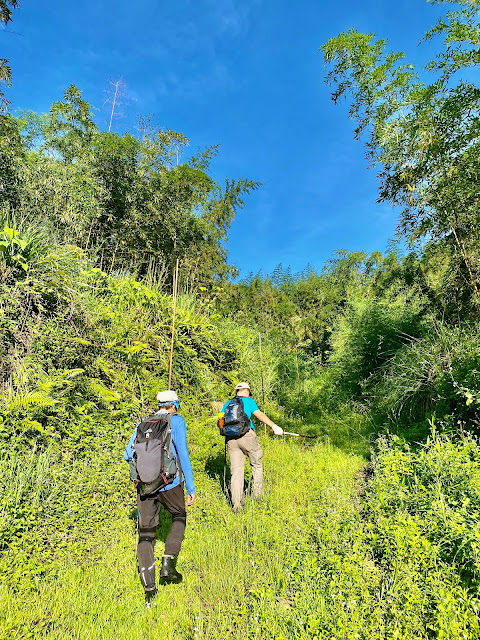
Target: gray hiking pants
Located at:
point(247, 445)
point(173, 500)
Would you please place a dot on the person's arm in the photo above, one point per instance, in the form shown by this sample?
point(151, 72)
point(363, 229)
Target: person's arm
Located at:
point(179, 435)
point(128, 453)
point(128, 456)
point(263, 418)
point(266, 420)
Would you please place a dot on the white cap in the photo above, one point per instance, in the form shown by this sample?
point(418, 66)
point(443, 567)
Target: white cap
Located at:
point(242, 385)
point(167, 396)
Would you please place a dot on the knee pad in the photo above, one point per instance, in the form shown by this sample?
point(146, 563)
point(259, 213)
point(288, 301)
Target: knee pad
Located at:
point(182, 515)
point(146, 535)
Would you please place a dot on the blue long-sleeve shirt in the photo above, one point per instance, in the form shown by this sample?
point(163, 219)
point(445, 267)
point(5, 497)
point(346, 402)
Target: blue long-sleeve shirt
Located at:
point(179, 438)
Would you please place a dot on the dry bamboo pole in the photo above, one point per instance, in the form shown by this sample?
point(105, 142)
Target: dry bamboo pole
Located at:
point(175, 293)
point(261, 375)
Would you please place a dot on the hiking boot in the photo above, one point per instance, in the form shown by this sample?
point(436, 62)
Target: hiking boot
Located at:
point(168, 573)
point(150, 593)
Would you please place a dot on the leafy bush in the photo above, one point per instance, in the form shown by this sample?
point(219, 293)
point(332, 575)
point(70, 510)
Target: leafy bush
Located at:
point(20, 247)
point(423, 511)
point(366, 338)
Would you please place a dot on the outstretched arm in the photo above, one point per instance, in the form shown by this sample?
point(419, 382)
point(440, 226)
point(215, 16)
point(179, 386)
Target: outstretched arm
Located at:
point(263, 418)
point(278, 431)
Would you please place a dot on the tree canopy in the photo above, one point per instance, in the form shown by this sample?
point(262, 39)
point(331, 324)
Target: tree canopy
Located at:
point(423, 136)
point(126, 199)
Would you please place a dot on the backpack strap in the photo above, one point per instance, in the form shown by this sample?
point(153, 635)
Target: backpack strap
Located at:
point(179, 464)
point(177, 457)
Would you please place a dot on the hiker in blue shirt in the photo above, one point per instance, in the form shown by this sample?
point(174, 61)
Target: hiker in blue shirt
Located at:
point(247, 445)
point(171, 497)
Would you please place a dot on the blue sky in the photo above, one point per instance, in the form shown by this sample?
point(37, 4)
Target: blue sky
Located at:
point(243, 73)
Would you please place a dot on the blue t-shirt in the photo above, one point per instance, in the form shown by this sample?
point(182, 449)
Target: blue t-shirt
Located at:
point(249, 406)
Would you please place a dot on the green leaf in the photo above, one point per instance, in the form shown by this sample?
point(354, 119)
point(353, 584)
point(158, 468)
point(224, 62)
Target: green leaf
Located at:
point(21, 243)
point(10, 233)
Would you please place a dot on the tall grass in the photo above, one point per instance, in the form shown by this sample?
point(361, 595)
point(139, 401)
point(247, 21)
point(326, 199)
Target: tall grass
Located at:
point(24, 486)
point(437, 374)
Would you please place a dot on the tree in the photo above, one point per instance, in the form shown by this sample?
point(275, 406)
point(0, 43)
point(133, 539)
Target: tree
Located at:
point(180, 211)
point(130, 201)
point(11, 157)
point(424, 137)
point(6, 8)
point(70, 127)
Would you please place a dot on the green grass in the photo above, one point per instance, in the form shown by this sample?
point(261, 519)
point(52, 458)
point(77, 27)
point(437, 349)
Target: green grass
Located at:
point(326, 554)
point(271, 571)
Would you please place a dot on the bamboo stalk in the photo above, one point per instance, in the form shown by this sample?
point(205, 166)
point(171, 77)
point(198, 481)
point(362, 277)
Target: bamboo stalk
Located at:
point(261, 375)
point(175, 292)
point(296, 364)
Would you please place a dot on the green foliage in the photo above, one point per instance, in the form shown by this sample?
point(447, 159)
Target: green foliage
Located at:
point(62, 198)
point(425, 137)
point(6, 8)
point(129, 201)
point(19, 250)
point(52, 504)
point(11, 157)
point(24, 488)
point(434, 375)
point(367, 337)
point(70, 128)
point(422, 510)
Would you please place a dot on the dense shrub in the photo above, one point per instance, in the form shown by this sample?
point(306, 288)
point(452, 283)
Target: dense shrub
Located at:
point(423, 511)
point(436, 374)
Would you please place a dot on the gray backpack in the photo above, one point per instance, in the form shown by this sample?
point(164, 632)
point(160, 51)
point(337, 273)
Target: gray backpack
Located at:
point(156, 466)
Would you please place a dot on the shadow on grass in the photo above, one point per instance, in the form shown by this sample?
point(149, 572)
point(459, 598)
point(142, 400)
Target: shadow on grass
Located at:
point(216, 467)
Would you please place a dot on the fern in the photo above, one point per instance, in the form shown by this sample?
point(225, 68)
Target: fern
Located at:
point(103, 392)
point(34, 398)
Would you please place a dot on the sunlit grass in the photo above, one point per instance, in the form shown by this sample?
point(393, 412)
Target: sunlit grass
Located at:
point(323, 555)
point(247, 575)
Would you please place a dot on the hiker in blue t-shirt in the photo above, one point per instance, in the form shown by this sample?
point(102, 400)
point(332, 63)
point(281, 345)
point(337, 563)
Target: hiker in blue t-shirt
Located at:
point(249, 445)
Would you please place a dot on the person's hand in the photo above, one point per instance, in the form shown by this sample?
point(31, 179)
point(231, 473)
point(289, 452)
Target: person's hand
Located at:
point(278, 431)
point(191, 499)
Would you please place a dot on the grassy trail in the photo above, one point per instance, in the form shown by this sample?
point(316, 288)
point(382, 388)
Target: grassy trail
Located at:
point(290, 566)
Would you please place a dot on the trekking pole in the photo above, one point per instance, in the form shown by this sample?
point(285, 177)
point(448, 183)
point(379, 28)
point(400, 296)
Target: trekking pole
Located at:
point(298, 435)
point(175, 290)
point(261, 375)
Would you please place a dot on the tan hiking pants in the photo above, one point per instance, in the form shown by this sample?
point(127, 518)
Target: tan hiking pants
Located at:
point(247, 445)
